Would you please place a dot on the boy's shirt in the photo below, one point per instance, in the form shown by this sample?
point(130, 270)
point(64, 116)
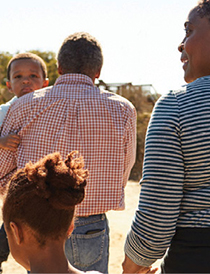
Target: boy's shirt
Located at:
point(4, 108)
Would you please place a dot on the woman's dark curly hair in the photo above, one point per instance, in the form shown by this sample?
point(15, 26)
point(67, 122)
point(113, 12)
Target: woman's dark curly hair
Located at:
point(43, 195)
point(203, 8)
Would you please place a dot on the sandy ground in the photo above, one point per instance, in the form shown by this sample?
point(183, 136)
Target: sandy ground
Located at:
point(119, 222)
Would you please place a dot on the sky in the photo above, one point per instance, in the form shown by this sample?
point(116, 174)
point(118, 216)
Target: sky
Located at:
point(139, 38)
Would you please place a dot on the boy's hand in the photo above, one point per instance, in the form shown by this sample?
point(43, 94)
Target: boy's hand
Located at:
point(10, 142)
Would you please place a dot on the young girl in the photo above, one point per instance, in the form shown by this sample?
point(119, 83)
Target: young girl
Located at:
point(38, 211)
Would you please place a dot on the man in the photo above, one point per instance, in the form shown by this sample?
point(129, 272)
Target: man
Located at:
point(76, 115)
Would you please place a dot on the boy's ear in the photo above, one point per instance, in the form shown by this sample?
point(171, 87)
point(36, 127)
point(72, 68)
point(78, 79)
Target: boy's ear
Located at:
point(45, 83)
point(17, 233)
point(9, 86)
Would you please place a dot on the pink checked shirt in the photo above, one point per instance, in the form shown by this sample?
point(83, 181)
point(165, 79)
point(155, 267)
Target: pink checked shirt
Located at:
point(76, 115)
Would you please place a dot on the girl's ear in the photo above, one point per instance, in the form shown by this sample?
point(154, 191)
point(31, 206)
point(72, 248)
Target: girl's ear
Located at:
point(71, 228)
point(17, 232)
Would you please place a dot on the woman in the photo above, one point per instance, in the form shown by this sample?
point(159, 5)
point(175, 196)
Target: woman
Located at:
point(174, 206)
point(38, 212)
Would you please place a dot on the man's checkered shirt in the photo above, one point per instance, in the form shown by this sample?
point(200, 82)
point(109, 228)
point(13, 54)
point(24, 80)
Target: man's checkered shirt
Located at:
point(76, 115)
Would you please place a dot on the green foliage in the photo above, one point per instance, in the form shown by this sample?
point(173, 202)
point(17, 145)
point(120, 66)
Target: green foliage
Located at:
point(143, 100)
point(50, 59)
point(4, 59)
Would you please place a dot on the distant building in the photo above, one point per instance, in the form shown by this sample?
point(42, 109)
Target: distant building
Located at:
point(142, 96)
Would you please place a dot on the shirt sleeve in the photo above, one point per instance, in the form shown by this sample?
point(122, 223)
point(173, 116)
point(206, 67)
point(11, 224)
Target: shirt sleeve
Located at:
point(161, 186)
point(4, 108)
point(130, 144)
point(3, 112)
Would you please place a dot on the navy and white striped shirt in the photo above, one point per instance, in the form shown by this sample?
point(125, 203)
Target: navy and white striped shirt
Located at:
point(175, 188)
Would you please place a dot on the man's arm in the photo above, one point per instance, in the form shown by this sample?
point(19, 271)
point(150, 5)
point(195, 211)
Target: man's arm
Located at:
point(7, 162)
point(130, 144)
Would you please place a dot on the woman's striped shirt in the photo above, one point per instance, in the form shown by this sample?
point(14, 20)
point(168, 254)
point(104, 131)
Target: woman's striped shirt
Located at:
point(175, 188)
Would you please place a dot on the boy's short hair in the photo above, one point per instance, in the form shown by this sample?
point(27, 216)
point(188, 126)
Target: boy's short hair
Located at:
point(203, 8)
point(80, 53)
point(30, 56)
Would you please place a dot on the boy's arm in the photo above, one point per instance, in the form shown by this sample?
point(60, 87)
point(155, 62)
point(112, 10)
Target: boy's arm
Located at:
point(10, 142)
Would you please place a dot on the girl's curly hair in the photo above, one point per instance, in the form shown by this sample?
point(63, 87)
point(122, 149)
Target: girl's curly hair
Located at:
point(43, 195)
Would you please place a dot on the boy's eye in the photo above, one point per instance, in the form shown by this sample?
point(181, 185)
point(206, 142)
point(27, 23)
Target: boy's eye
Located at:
point(17, 76)
point(33, 76)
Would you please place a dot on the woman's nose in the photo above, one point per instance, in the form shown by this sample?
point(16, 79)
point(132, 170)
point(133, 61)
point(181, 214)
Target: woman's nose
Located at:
point(181, 46)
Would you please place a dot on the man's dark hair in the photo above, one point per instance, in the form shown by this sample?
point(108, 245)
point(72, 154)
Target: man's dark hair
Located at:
point(80, 53)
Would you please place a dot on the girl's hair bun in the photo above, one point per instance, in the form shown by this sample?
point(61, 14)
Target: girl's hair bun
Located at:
point(61, 182)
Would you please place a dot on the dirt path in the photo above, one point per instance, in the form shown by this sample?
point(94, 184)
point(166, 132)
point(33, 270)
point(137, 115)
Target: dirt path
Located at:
point(119, 222)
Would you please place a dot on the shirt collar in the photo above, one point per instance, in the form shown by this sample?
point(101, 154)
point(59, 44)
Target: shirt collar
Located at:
point(74, 78)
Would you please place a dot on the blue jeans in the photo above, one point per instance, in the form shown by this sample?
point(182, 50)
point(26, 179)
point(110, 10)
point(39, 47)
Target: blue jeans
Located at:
point(88, 247)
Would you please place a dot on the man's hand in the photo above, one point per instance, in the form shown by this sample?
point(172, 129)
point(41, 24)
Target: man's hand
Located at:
point(10, 142)
point(130, 267)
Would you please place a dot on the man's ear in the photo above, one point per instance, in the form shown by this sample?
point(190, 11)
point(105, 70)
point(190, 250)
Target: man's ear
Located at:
point(60, 71)
point(9, 86)
point(45, 83)
point(17, 232)
point(98, 74)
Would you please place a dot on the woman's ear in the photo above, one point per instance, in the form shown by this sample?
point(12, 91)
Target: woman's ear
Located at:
point(17, 232)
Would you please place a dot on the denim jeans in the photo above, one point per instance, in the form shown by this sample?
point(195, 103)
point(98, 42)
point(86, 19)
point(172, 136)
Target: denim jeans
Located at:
point(4, 247)
point(88, 247)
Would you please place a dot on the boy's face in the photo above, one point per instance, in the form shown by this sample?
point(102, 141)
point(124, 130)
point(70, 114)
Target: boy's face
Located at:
point(195, 47)
point(26, 76)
